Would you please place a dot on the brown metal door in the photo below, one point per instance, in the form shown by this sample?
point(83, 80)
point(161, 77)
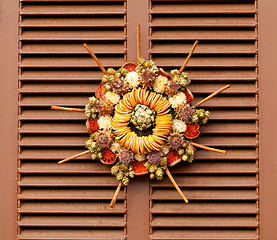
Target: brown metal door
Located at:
point(70, 201)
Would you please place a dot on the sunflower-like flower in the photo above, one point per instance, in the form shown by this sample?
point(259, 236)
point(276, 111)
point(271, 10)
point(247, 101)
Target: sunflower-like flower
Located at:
point(104, 122)
point(179, 126)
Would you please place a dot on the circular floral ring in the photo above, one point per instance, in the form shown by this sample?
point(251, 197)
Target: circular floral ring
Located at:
point(122, 116)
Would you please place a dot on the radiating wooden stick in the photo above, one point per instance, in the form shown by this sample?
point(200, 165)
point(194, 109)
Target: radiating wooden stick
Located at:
point(95, 59)
point(73, 157)
point(116, 195)
point(176, 185)
point(212, 95)
point(208, 148)
point(138, 41)
point(68, 109)
point(187, 59)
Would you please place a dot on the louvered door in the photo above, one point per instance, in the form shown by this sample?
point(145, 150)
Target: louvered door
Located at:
point(222, 189)
point(70, 201)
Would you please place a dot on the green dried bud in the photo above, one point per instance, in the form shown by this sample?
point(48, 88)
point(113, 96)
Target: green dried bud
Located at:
point(152, 175)
point(114, 170)
point(159, 172)
point(105, 78)
point(147, 165)
point(99, 155)
point(190, 159)
point(123, 167)
point(107, 87)
point(147, 64)
point(93, 156)
point(163, 161)
point(130, 168)
point(185, 144)
point(153, 168)
point(132, 174)
point(117, 75)
point(141, 61)
point(125, 180)
point(159, 178)
point(190, 150)
point(111, 71)
point(119, 176)
point(185, 157)
point(123, 71)
point(88, 143)
point(175, 72)
point(181, 151)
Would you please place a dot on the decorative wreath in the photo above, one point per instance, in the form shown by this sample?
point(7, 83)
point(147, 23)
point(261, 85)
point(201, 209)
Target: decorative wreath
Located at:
point(141, 121)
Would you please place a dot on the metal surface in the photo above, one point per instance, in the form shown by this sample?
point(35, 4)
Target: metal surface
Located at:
point(70, 201)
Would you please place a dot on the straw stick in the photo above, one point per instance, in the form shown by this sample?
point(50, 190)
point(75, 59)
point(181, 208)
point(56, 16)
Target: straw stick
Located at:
point(176, 185)
point(208, 148)
point(212, 95)
point(187, 59)
point(138, 41)
point(116, 195)
point(73, 157)
point(68, 109)
point(95, 59)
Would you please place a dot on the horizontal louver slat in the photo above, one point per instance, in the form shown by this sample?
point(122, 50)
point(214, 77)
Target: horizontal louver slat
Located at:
point(222, 190)
point(69, 201)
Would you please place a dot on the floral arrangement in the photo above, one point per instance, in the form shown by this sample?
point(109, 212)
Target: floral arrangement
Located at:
point(141, 121)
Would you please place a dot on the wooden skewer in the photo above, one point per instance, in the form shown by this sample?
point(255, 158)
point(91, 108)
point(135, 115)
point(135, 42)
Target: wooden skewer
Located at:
point(138, 41)
point(187, 59)
point(75, 156)
point(176, 185)
point(116, 195)
point(68, 109)
point(212, 95)
point(95, 59)
point(208, 148)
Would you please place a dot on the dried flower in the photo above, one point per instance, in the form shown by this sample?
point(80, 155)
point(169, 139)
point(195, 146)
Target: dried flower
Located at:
point(133, 79)
point(126, 156)
point(119, 86)
point(172, 88)
point(177, 100)
point(160, 84)
point(104, 122)
point(175, 140)
point(184, 112)
point(179, 126)
point(115, 147)
point(112, 97)
point(103, 140)
point(107, 109)
point(98, 105)
point(147, 77)
point(164, 149)
point(140, 157)
point(154, 157)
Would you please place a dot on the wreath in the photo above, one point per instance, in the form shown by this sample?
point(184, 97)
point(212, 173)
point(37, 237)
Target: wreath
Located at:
point(142, 121)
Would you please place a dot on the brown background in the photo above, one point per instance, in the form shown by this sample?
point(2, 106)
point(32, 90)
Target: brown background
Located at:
point(230, 196)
